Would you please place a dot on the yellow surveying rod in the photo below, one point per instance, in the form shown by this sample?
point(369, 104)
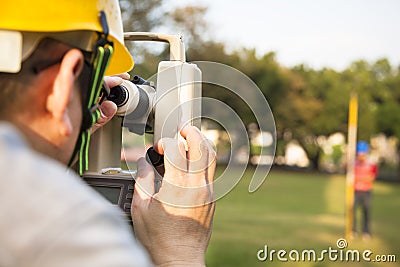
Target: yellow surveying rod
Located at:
point(351, 152)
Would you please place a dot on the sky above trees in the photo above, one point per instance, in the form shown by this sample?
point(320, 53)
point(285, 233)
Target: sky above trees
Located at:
point(326, 33)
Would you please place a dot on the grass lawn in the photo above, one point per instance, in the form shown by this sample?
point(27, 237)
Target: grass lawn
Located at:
point(298, 211)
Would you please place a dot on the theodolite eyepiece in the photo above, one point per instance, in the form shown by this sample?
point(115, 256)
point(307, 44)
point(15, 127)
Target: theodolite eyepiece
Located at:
point(132, 98)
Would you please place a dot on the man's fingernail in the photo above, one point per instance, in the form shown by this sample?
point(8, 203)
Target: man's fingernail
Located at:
point(126, 75)
point(115, 80)
point(108, 108)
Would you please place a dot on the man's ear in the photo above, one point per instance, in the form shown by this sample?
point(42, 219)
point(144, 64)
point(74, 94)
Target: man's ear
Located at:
point(62, 89)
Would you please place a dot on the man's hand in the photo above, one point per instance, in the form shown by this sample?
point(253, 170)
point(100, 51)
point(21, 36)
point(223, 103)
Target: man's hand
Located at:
point(174, 224)
point(108, 108)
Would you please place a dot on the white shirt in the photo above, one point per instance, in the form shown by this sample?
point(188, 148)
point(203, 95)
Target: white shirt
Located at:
point(49, 217)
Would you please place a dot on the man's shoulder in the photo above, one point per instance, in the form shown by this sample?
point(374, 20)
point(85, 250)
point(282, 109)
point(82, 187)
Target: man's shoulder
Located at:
point(40, 187)
point(26, 169)
point(46, 208)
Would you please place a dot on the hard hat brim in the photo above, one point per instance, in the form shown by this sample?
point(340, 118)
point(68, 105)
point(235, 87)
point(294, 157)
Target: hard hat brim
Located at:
point(121, 60)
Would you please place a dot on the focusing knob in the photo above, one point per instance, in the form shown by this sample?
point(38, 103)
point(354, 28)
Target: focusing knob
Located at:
point(118, 95)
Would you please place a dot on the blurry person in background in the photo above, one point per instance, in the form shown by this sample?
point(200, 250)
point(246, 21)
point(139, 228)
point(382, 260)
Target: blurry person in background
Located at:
point(364, 176)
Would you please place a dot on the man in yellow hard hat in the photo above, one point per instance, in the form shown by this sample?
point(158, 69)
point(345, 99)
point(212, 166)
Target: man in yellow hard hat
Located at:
point(53, 56)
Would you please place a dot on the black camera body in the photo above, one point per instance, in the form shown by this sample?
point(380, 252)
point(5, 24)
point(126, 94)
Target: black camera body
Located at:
point(116, 188)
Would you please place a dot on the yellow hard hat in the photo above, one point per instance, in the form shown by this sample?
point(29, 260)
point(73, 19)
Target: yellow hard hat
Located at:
point(43, 16)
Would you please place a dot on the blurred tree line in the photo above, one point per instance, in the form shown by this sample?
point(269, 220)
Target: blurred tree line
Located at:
point(306, 103)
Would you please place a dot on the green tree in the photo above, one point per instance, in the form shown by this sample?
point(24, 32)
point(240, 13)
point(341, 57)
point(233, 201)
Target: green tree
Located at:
point(189, 21)
point(306, 103)
point(141, 15)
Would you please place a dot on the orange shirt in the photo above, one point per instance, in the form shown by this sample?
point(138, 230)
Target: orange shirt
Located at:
point(365, 174)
